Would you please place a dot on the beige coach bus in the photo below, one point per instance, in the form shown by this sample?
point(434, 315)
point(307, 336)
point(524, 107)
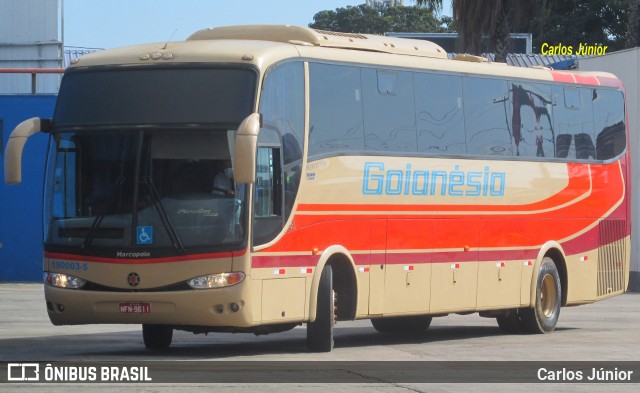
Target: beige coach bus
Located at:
point(256, 178)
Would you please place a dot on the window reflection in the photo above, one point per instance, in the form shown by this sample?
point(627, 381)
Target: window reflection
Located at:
point(356, 109)
point(608, 121)
point(531, 125)
point(485, 114)
point(389, 121)
point(336, 109)
point(439, 114)
point(573, 122)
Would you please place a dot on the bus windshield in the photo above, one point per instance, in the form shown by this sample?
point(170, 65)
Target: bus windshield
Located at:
point(161, 191)
point(140, 160)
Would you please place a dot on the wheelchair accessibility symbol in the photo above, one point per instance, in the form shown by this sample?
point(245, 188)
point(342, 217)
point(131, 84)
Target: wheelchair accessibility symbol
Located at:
point(145, 235)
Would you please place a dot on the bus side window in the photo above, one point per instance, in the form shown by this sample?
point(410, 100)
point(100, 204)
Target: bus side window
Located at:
point(335, 109)
point(439, 113)
point(573, 122)
point(608, 118)
point(267, 205)
point(486, 103)
point(64, 200)
point(389, 111)
point(530, 119)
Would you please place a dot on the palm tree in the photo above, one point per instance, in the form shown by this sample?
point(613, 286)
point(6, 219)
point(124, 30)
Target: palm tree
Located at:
point(493, 18)
point(633, 24)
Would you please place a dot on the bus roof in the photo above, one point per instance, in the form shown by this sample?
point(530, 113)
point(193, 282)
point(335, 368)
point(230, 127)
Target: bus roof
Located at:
point(305, 36)
point(263, 45)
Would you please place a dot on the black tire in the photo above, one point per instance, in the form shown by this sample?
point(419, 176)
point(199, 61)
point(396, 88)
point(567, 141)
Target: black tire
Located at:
point(157, 336)
point(412, 324)
point(320, 332)
point(510, 322)
point(543, 317)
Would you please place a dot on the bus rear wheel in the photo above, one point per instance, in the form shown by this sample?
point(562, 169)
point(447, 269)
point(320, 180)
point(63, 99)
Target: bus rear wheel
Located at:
point(157, 336)
point(320, 332)
point(412, 324)
point(543, 317)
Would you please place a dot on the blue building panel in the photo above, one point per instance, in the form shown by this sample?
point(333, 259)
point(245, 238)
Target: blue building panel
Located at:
point(21, 205)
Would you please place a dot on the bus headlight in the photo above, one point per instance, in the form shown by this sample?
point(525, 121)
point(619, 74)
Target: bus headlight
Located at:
point(220, 280)
point(63, 281)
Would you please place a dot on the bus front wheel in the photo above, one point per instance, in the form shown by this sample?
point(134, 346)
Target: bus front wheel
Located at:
point(157, 336)
point(320, 332)
point(543, 317)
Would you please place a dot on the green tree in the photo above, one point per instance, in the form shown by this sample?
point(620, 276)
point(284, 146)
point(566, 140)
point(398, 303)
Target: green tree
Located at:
point(571, 22)
point(368, 20)
point(496, 19)
point(358, 19)
point(413, 19)
point(633, 24)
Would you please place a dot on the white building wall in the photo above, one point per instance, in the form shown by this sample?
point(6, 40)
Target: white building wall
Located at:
point(625, 65)
point(29, 39)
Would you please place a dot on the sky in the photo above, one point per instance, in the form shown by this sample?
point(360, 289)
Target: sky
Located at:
point(114, 23)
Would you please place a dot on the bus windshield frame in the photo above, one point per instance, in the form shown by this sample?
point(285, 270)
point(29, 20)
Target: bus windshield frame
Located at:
point(129, 175)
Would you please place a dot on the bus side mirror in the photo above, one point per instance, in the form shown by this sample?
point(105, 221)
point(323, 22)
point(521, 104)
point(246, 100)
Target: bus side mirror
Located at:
point(244, 163)
point(15, 146)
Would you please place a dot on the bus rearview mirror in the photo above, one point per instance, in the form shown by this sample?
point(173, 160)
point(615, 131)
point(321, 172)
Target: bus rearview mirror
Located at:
point(246, 148)
point(15, 146)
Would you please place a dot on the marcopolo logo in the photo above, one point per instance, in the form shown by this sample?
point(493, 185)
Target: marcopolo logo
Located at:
point(133, 279)
point(378, 180)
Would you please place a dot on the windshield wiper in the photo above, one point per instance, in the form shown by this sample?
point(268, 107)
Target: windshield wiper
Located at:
point(166, 222)
point(98, 220)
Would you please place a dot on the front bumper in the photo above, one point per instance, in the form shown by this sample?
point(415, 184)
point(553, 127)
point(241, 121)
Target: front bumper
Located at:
point(211, 307)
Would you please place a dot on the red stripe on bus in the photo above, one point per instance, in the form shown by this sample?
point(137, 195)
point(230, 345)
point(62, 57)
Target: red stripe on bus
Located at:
point(414, 258)
point(563, 77)
point(142, 261)
point(586, 79)
point(612, 82)
point(274, 261)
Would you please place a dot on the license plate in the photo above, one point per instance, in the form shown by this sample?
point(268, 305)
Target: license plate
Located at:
point(135, 308)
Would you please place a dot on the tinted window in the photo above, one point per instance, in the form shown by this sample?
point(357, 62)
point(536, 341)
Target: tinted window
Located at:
point(439, 114)
point(282, 107)
point(152, 189)
point(336, 109)
point(279, 161)
point(267, 205)
point(144, 96)
point(355, 109)
point(485, 112)
point(531, 125)
point(573, 122)
point(608, 121)
point(389, 117)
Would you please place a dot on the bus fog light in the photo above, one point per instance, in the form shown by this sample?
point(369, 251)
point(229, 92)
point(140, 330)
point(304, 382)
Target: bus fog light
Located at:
point(216, 280)
point(63, 281)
